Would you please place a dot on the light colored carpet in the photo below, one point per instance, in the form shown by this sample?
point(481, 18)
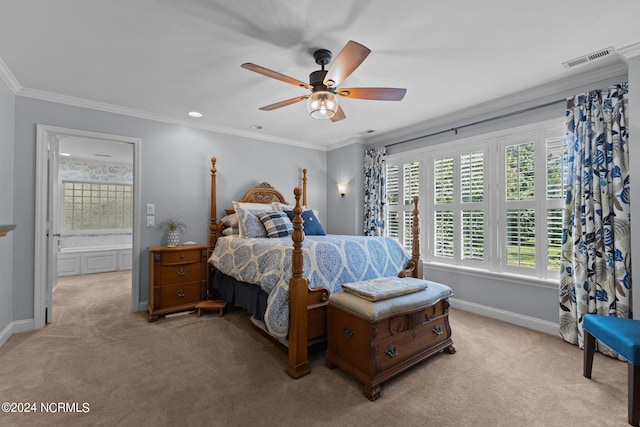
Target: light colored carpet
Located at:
point(220, 371)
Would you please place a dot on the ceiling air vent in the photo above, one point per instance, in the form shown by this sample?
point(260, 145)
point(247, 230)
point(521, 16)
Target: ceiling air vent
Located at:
point(589, 58)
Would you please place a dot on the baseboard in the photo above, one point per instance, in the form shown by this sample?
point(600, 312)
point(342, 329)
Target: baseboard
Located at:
point(15, 327)
point(20, 326)
point(5, 334)
point(507, 316)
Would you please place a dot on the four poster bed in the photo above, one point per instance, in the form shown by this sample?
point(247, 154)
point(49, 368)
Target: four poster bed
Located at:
point(284, 279)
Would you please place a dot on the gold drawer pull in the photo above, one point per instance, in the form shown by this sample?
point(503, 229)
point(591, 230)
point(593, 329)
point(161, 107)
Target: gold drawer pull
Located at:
point(437, 330)
point(181, 272)
point(392, 351)
point(181, 293)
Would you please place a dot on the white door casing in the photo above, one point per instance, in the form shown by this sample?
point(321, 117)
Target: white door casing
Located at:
point(46, 241)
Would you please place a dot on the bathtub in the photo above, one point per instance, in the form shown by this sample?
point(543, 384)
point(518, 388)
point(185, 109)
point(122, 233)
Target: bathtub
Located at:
point(98, 259)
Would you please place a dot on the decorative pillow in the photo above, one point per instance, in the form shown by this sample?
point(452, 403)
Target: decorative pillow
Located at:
point(257, 206)
point(279, 207)
point(230, 231)
point(310, 224)
point(277, 224)
point(230, 220)
point(248, 223)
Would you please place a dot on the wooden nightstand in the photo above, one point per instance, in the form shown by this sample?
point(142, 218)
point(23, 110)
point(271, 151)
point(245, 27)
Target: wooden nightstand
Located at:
point(177, 278)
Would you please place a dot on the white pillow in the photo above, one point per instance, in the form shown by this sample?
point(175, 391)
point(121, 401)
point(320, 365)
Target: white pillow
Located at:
point(230, 231)
point(249, 225)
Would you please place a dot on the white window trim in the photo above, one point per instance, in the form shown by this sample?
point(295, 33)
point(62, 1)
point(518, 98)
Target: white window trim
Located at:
point(494, 201)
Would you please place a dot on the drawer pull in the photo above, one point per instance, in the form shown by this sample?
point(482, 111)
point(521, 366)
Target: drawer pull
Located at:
point(347, 332)
point(181, 293)
point(181, 256)
point(181, 272)
point(392, 351)
point(414, 334)
point(437, 330)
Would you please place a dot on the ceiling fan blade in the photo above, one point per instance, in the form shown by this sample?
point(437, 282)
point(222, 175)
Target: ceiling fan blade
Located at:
point(349, 58)
point(284, 103)
point(339, 115)
point(375, 93)
point(275, 75)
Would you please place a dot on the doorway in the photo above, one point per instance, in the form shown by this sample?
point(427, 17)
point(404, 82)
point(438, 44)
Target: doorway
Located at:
point(49, 223)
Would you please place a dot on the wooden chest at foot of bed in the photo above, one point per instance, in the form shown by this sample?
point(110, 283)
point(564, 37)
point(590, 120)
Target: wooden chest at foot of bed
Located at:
point(374, 341)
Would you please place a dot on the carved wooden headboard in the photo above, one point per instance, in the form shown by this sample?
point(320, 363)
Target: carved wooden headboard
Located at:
point(261, 193)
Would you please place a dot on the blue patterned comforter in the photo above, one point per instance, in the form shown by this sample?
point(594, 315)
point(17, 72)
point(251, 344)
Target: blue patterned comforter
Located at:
point(329, 261)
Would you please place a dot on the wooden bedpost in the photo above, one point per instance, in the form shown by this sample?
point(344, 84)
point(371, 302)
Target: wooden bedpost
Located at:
point(415, 265)
point(304, 187)
point(213, 227)
point(415, 244)
point(298, 286)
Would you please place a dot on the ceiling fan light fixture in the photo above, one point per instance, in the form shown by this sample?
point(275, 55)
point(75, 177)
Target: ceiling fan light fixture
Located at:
point(322, 104)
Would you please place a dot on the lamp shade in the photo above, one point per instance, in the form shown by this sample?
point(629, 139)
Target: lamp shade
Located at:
point(322, 104)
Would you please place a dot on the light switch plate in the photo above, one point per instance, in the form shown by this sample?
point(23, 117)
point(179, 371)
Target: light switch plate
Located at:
point(151, 209)
point(151, 221)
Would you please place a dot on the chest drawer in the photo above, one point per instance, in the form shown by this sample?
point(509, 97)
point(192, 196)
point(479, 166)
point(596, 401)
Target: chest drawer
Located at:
point(179, 273)
point(176, 295)
point(397, 348)
point(182, 257)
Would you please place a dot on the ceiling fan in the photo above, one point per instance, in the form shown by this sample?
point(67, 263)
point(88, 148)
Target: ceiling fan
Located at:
point(322, 103)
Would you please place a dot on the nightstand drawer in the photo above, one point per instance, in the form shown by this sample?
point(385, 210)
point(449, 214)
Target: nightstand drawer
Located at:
point(180, 257)
point(179, 273)
point(177, 279)
point(175, 295)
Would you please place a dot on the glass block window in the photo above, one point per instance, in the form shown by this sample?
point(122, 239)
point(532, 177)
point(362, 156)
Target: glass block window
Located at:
point(92, 206)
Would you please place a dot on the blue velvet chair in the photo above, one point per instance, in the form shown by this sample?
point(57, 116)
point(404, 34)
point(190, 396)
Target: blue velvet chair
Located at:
point(623, 337)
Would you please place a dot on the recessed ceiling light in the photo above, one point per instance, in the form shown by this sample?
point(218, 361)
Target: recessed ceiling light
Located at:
point(65, 154)
point(195, 114)
point(256, 127)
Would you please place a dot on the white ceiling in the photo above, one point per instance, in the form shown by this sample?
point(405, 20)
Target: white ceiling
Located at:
point(162, 58)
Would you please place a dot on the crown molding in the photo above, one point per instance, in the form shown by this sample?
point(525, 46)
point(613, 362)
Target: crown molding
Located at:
point(7, 76)
point(630, 51)
point(555, 87)
point(110, 108)
point(345, 142)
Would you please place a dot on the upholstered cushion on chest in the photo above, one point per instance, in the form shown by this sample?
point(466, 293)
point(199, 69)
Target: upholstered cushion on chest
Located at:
point(361, 307)
point(382, 288)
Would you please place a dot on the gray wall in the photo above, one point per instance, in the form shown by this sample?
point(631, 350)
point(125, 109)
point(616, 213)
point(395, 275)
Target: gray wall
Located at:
point(345, 164)
point(7, 109)
point(175, 176)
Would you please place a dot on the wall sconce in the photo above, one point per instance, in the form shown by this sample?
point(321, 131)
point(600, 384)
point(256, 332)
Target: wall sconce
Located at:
point(342, 188)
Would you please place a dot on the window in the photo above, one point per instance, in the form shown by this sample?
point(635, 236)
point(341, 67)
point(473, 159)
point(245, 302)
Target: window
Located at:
point(90, 206)
point(459, 205)
point(403, 182)
point(535, 175)
point(493, 202)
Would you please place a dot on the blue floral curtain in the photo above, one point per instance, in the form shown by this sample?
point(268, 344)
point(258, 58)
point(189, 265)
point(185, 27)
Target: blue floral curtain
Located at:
point(375, 191)
point(595, 276)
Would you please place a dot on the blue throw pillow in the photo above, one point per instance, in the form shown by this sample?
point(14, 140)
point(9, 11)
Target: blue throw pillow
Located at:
point(310, 224)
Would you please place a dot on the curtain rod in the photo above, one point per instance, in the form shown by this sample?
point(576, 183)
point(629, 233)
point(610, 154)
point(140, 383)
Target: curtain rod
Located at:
point(455, 129)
